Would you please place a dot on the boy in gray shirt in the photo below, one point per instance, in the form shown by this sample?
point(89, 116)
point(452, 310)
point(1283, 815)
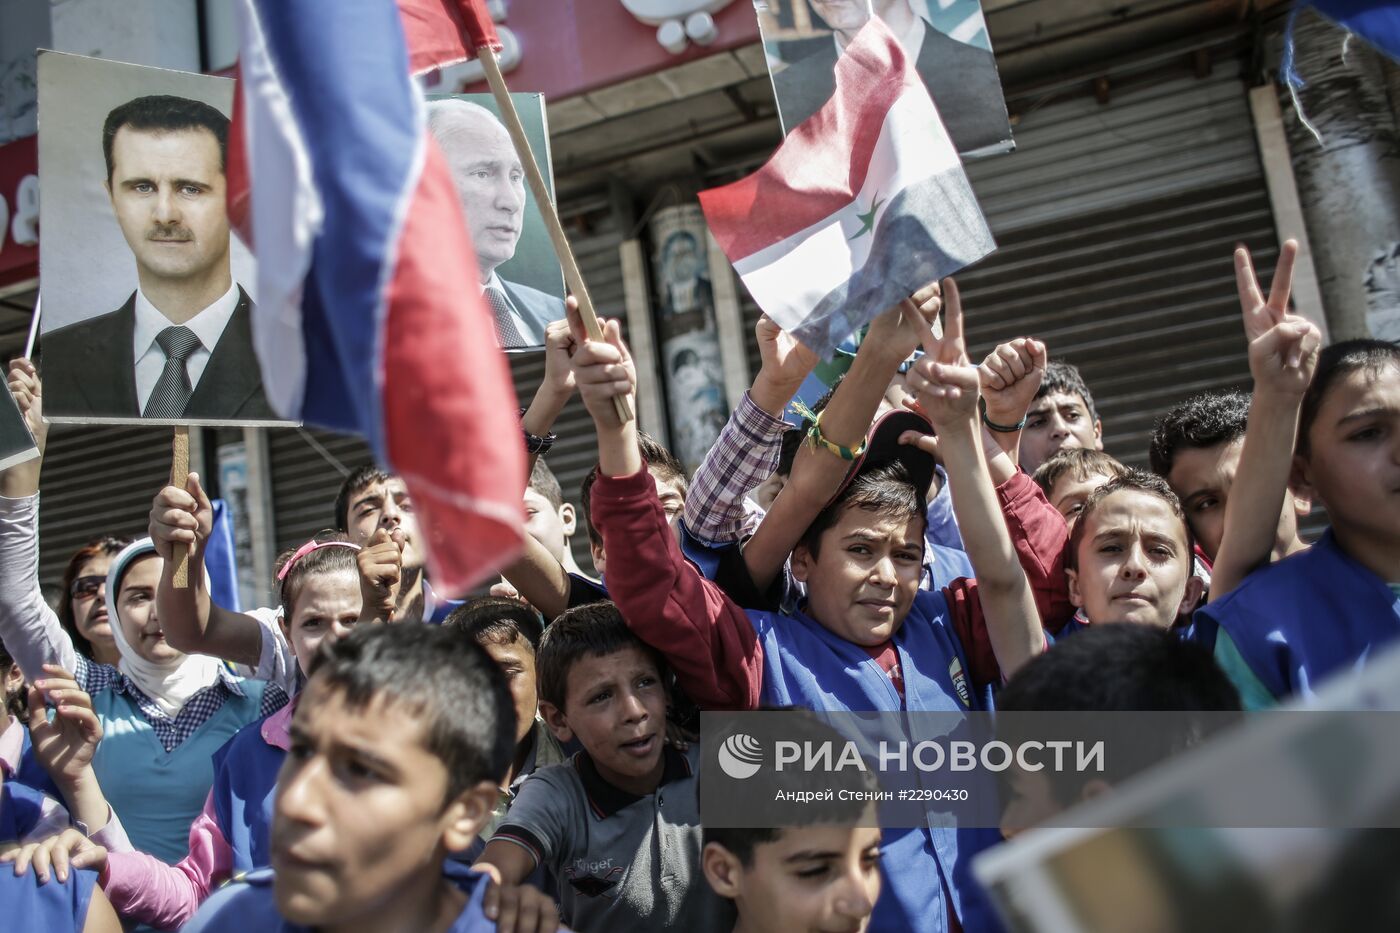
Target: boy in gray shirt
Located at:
point(617, 826)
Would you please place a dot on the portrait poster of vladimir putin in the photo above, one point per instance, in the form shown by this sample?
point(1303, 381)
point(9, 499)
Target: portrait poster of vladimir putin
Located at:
point(945, 39)
point(146, 292)
point(520, 276)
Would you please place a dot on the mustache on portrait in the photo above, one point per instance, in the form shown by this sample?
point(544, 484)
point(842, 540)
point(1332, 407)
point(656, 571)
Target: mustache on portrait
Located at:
point(170, 233)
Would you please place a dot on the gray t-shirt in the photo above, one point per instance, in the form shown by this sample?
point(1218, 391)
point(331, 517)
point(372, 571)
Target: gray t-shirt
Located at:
point(622, 863)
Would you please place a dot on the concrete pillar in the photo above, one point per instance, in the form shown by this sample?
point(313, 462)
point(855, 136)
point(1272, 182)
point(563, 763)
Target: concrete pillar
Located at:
point(687, 332)
point(1350, 183)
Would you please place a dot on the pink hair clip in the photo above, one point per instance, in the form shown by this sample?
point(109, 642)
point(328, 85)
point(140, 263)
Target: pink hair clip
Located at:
point(307, 548)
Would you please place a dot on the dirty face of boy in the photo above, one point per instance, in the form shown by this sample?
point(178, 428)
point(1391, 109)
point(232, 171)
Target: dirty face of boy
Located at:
point(615, 706)
point(811, 879)
point(1057, 421)
point(362, 820)
point(1134, 563)
point(864, 580)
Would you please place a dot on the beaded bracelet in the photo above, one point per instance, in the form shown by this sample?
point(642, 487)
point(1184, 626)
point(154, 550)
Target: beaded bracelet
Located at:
point(816, 439)
point(999, 428)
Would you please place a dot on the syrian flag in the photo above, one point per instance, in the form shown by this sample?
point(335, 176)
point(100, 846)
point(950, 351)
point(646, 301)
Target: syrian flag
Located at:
point(369, 317)
point(861, 205)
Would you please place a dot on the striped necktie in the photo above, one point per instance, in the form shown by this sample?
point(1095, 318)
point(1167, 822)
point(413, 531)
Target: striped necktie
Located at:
point(172, 391)
point(507, 334)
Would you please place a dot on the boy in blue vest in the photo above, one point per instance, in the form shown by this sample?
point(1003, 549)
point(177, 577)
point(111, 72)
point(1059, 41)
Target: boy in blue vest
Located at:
point(398, 747)
point(868, 638)
point(616, 828)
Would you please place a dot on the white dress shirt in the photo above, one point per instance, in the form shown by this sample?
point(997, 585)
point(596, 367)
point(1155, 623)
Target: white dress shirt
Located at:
point(912, 41)
point(208, 325)
point(531, 336)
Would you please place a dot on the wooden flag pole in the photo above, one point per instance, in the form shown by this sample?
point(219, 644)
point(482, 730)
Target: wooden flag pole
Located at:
point(572, 276)
point(179, 473)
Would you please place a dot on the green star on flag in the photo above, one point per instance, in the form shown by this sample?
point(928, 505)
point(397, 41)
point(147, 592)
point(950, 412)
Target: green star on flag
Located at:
point(868, 219)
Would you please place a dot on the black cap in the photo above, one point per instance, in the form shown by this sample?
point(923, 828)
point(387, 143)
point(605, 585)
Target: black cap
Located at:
point(883, 446)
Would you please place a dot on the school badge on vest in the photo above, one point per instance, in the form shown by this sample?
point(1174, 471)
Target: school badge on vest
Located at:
point(955, 671)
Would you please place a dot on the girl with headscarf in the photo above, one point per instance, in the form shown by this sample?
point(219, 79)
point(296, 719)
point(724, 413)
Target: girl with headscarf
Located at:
point(163, 713)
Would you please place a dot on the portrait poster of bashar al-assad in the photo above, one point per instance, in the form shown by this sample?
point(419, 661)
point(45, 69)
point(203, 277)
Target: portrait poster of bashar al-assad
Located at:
point(520, 276)
point(946, 39)
point(147, 295)
point(16, 443)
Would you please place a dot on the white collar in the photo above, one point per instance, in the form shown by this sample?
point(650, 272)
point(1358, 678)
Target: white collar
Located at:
point(912, 41)
point(208, 325)
point(493, 281)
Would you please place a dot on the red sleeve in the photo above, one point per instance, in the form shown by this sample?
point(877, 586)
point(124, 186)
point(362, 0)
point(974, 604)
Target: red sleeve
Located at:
point(704, 635)
point(1041, 539)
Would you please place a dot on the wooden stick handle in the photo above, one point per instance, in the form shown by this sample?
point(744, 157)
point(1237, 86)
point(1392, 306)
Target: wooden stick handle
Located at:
point(179, 473)
point(533, 176)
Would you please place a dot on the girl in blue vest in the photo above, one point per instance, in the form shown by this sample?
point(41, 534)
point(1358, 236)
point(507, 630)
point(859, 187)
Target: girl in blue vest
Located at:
point(1292, 624)
point(320, 588)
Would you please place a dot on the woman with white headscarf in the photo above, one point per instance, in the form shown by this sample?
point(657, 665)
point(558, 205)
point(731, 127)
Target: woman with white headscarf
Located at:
point(163, 713)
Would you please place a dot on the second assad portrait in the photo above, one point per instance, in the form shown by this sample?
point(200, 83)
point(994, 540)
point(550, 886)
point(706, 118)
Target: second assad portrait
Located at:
point(180, 347)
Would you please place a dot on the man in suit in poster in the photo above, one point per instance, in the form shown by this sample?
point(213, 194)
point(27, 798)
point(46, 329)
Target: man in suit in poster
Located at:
point(491, 185)
point(181, 347)
point(962, 79)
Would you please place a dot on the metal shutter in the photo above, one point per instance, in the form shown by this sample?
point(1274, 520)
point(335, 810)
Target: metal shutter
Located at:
point(304, 482)
point(1115, 226)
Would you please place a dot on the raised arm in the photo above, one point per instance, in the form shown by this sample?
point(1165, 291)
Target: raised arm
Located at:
point(946, 387)
point(817, 471)
point(1283, 351)
point(707, 639)
point(1009, 377)
point(557, 385)
point(28, 627)
point(540, 579)
point(747, 450)
point(191, 621)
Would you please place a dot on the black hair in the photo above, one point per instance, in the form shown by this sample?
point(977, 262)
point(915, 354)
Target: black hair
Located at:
point(886, 490)
point(584, 632)
point(1333, 363)
point(1201, 421)
point(359, 479)
point(447, 680)
point(100, 546)
point(660, 462)
point(1120, 667)
point(163, 113)
point(687, 357)
point(546, 484)
point(1064, 378)
point(16, 701)
point(850, 804)
point(1138, 481)
point(496, 620)
point(1078, 462)
point(323, 560)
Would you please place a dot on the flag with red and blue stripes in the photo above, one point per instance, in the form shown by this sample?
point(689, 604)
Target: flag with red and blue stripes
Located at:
point(369, 317)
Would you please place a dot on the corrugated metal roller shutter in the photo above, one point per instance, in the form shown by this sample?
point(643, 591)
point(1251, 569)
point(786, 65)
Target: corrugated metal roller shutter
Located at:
point(305, 482)
point(1115, 225)
point(95, 480)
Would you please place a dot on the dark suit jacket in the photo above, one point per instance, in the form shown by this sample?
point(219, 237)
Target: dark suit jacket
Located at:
point(535, 306)
point(962, 80)
point(89, 370)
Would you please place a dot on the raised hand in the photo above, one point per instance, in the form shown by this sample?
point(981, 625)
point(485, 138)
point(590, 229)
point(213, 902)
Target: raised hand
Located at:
point(899, 330)
point(181, 516)
point(28, 392)
point(558, 345)
point(603, 369)
point(1010, 376)
point(786, 361)
point(944, 382)
point(65, 744)
point(380, 564)
point(1283, 347)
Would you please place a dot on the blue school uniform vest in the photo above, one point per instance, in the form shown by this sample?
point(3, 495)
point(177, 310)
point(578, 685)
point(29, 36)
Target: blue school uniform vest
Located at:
point(32, 774)
point(250, 905)
point(245, 776)
point(806, 665)
point(21, 808)
point(55, 907)
point(158, 793)
point(1304, 618)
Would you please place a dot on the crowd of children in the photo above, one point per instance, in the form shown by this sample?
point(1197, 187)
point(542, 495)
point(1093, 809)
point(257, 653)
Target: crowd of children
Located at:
point(933, 536)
